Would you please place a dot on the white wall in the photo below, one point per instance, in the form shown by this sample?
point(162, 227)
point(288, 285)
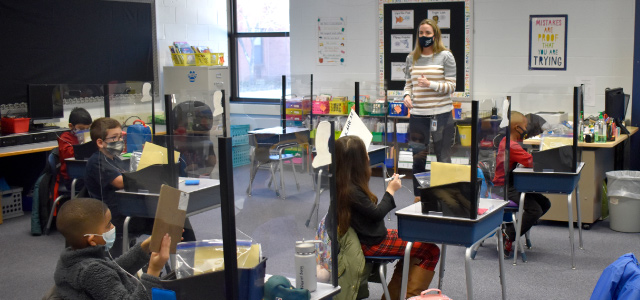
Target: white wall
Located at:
point(600, 45)
point(361, 43)
point(198, 22)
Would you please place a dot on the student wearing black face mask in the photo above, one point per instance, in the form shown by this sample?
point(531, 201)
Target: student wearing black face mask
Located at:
point(103, 177)
point(535, 205)
point(430, 75)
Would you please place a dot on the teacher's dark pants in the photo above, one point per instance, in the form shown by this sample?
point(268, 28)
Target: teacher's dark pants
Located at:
point(420, 134)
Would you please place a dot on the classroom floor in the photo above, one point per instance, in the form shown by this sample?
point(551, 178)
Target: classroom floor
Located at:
point(28, 262)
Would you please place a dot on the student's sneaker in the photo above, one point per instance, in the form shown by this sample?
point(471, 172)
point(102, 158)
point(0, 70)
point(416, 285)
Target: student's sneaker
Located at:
point(507, 244)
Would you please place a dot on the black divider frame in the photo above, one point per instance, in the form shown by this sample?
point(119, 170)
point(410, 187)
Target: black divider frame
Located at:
point(107, 108)
point(168, 100)
point(474, 160)
point(577, 99)
point(356, 100)
point(507, 150)
point(228, 218)
point(310, 105)
point(224, 115)
point(333, 200)
point(283, 113)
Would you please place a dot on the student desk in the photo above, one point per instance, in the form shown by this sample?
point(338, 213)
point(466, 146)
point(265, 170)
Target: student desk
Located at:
point(525, 180)
point(413, 226)
point(28, 148)
point(599, 159)
point(275, 135)
point(202, 197)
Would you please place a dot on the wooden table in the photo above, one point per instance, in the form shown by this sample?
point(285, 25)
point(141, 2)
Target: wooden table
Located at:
point(599, 158)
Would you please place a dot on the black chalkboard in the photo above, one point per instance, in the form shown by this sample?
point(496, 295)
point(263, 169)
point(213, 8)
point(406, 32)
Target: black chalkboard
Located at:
point(420, 12)
point(73, 42)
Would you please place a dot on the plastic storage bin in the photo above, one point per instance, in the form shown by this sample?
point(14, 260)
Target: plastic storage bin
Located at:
point(15, 125)
point(465, 135)
point(12, 203)
point(241, 155)
point(338, 106)
point(183, 59)
point(212, 285)
point(397, 109)
point(375, 109)
point(239, 134)
point(377, 137)
point(623, 190)
point(350, 107)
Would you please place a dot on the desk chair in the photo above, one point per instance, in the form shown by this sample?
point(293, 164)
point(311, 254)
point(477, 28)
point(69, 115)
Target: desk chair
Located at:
point(382, 262)
point(53, 163)
point(273, 156)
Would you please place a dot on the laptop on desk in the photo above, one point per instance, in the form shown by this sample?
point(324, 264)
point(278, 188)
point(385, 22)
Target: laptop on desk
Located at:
point(149, 179)
point(452, 200)
point(553, 160)
point(84, 151)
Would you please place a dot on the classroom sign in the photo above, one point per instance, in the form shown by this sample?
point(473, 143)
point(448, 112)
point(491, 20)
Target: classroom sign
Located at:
point(548, 42)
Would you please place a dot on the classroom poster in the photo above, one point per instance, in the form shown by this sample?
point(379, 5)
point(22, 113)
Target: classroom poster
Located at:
point(548, 42)
point(402, 19)
point(441, 16)
point(401, 43)
point(397, 71)
point(331, 41)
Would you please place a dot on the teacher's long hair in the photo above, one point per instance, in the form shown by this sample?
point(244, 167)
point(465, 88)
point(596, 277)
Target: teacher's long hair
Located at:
point(438, 45)
point(352, 172)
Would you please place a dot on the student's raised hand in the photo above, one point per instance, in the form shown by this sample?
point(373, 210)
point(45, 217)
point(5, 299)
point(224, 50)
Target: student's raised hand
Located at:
point(394, 185)
point(159, 259)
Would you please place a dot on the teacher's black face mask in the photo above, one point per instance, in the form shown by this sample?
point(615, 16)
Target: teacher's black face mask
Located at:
point(425, 41)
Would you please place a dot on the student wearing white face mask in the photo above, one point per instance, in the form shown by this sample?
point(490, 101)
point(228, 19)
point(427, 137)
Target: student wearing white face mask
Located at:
point(430, 75)
point(85, 272)
point(79, 122)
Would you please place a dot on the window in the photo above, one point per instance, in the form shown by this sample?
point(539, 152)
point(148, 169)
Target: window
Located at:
point(262, 42)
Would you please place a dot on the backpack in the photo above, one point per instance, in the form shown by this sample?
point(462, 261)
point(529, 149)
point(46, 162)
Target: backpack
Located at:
point(44, 194)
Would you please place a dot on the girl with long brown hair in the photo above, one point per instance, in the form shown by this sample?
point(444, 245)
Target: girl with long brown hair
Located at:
point(359, 208)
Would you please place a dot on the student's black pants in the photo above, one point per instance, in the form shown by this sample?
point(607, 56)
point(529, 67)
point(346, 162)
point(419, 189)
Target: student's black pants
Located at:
point(535, 206)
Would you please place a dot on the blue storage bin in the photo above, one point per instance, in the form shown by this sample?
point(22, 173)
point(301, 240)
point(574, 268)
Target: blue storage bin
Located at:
point(402, 137)
point(212, 285)
point(239, 134)
point(397, 109)
point(390, 137)
point(389, 163)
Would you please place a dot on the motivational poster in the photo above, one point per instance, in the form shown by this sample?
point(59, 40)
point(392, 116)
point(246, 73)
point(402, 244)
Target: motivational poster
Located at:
point(441, 16)
point(548, 42)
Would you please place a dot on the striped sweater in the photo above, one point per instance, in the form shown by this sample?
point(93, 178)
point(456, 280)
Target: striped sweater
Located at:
point(440, 70)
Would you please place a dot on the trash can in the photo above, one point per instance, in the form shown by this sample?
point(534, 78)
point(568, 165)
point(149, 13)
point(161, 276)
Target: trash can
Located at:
point(623, 191)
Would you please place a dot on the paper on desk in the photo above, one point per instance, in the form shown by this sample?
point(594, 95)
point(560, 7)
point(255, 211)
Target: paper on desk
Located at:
point(323, 133)
point(170, 215)
point(153, 154)
point(355, 126)
point(445, 173)
point(505, 114)
point(217, 103)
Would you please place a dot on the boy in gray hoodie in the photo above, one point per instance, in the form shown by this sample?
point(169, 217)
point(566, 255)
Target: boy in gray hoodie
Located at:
point(84, 271)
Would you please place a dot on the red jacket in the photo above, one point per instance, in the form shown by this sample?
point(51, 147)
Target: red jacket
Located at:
point(517, 155)
point(65, 146)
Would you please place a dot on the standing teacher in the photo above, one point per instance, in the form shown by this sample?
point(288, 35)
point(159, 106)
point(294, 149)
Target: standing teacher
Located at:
point(430, 80)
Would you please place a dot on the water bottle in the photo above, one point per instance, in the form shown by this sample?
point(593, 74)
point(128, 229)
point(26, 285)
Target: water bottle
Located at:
point(305, 263)
point(581, 128)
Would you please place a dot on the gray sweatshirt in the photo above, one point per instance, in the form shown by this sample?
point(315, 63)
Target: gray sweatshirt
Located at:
point(88, 274)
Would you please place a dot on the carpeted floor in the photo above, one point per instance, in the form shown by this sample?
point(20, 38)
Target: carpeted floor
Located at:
point(28, 262)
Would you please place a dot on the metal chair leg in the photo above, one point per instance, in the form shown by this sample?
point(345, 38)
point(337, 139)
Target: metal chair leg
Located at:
point(53, 209)
point(383, 280)
point(518, 225)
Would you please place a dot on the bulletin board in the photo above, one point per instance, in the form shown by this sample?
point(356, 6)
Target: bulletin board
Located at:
point(398, 27)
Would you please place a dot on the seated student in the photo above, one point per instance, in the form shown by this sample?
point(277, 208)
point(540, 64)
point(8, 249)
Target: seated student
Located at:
point(359, 209)
point(85, 272)
point(535, 205)
point(79, 122)
point(193, 123)
point(104, 177)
